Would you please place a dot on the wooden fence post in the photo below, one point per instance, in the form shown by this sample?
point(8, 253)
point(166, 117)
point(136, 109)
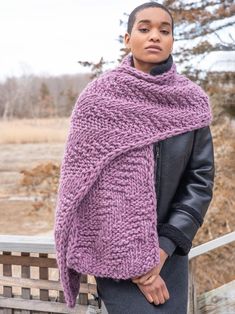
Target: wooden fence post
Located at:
point(83, 297)
point(25, 273)
point(192, 296)
point(7, 290)
point(43, 274)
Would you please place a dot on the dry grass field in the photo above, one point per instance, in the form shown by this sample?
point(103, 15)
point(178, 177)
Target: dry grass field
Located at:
point(33, 131)
point(26, 144)
point(30, 156)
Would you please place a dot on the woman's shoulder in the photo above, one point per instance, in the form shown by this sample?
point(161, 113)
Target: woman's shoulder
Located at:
point(186, 81)
point(100, 86)
point(101, 80)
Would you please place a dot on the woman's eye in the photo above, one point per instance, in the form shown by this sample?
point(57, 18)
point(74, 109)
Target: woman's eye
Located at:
point(165, 32)
point(143, 30)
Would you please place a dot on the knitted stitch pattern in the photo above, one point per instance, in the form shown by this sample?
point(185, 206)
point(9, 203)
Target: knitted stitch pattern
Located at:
point(106, 218)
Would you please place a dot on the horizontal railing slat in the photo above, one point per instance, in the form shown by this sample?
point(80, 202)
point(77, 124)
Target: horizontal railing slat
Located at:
point(28, 244)
point(29, 283)
point(28, 261)
point(211, 245)
point(42, 284)
point(220, 300)
point(42, 306)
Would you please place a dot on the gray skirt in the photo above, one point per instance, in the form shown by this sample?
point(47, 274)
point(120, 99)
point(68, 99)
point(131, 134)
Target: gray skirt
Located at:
point(124, 296)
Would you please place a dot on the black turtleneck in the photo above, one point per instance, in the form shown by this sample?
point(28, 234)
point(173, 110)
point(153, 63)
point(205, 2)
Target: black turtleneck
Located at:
point(160, 67)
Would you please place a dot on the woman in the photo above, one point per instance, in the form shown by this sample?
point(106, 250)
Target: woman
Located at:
point(137, 176)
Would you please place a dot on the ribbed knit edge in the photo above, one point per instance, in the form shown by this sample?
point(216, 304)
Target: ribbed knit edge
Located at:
point(170, 231)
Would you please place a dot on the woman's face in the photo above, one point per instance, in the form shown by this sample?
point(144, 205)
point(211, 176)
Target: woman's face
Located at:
point(152, 27)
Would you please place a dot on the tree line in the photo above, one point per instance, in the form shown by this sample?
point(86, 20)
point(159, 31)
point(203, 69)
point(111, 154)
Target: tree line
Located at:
point(31, 96)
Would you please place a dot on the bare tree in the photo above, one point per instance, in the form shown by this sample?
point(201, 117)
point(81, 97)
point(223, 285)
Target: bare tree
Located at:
point(200, 28)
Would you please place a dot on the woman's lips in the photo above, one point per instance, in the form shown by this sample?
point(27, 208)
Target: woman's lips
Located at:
point(154, 50)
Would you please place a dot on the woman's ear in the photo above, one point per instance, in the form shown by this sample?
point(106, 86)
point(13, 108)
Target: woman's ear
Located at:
point(127, 40)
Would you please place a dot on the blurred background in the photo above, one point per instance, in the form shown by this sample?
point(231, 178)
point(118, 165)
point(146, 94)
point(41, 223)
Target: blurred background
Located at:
point(50, 50)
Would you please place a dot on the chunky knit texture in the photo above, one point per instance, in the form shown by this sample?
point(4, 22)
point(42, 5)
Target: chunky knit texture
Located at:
point(106, 218)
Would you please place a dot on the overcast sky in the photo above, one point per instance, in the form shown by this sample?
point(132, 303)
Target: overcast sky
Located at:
point(50, 36)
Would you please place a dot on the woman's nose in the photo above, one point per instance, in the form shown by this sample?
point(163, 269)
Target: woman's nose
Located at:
point(154, 35)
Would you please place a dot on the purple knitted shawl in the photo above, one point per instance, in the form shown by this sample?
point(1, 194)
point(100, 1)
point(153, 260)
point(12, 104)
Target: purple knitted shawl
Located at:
point(106, 217)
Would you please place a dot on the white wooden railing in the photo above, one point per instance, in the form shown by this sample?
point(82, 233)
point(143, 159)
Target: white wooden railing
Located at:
point(44, 246)
point(208, 302)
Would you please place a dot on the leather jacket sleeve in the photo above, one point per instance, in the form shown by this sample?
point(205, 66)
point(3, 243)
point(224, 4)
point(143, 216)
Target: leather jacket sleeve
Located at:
point(192, 198)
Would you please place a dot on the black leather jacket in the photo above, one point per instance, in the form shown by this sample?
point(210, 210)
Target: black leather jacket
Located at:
point(185, 172)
